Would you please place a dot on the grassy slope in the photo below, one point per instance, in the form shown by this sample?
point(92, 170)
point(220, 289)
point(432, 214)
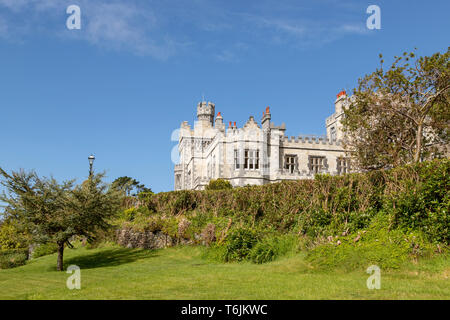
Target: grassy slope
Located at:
point(181, 273)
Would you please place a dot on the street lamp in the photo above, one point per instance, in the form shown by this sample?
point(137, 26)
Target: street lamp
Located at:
point(91, 159)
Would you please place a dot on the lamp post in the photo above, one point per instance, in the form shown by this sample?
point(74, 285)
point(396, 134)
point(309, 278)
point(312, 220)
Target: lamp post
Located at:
point(91, 159)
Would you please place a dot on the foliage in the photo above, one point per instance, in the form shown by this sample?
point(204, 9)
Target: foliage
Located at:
point(400, 115)
point(239, 244)
point(12, 235)
point(378, 245)
point(129, 214)
point(273, 247)
point(422, 206)
point(219, 184)
point(126, 185)
point(397, 215)
point(13, 258)
point(415, 196)
point(44, 250)
point(55, 212)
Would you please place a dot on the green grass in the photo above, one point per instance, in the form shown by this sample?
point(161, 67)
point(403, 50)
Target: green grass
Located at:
point(181, 273)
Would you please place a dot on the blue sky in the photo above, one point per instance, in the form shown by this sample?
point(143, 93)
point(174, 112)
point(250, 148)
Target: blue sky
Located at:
point(120, 86)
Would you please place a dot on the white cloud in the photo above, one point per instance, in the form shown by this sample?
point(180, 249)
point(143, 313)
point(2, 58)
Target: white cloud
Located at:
point(111, 24)
point(163, 30)
point(121, 26)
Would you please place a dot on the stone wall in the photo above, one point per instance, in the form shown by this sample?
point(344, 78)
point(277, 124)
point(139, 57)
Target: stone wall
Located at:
point(146, 239)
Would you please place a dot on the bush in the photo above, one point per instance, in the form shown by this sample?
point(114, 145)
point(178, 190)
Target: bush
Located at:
point(239, 244)
point(378, 245)
point(13, 258)
point(44, 250)
point(219, 184)
point(422, 206)
point(273, 247)
point(414, 199)
point(129, 214)
point(184, 202)
point(11, 236)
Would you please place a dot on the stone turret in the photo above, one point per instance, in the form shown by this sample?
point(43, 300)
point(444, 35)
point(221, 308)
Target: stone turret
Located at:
point(205, 112)
point(219, 122)
point(333, 122)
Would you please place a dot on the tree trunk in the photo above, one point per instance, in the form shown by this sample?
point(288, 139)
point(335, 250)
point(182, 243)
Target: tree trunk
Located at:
point(418, 143)
point(59, 265)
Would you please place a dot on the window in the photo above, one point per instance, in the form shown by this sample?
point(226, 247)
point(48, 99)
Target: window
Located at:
point(236, 159)
point(343, 165)
point(333, 134)
point(290, 162)
point(316, 164)
point(178, 181)
point(251, 159)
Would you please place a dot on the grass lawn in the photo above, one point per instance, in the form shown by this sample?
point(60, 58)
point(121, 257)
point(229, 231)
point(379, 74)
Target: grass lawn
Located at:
point(181, 273)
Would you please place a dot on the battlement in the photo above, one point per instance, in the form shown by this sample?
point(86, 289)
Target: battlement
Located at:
point(305, 140)
point(206, 111)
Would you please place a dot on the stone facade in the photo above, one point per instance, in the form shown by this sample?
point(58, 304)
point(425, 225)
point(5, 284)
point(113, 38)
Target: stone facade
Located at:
point(255, 154)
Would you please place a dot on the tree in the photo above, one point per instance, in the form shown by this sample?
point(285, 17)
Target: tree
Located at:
point(400, 115)
point(55, 212)
point(127, 185)
point(219, 184)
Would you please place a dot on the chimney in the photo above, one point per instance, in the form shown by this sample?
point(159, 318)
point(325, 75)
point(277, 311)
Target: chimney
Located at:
point(265, 122)
point(340, 94)
point(340, 98)
point(219, 119)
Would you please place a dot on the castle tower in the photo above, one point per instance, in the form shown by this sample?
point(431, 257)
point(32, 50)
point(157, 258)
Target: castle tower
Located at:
point(333, 123)
point(219, 122)
point(340, 100)
point(205, 112)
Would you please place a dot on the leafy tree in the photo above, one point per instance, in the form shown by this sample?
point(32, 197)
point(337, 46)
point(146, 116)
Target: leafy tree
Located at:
point(127, 185)
point(402, 114)
point(12, 236)
point(57, 212)
point(219, 184)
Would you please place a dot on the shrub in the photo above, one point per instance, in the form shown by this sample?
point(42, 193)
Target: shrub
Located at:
point(239, 244)
point(421, 201)
point(13, 258)
point(414, 199)
point(129, 214)
point(219, 184)
point(273, 247)
point(377, 245)
point(44, 250)
point(184, 202)
point(11, 236)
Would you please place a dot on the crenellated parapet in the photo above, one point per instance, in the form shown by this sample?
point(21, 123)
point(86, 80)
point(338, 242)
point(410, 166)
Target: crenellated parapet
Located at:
point(308, 140)
point(206, 111)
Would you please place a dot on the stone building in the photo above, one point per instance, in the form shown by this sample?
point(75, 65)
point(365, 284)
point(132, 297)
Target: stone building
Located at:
point(256, 153)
